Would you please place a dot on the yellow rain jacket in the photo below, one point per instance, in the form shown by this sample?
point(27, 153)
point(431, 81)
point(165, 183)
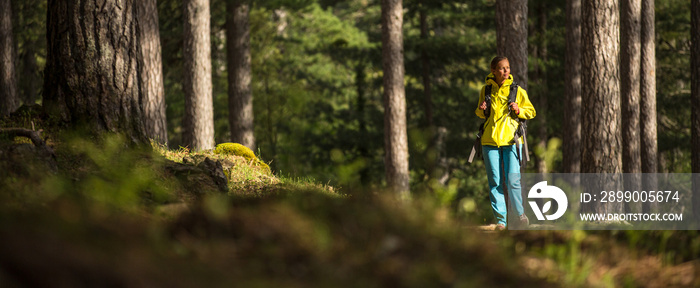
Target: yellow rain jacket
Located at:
point(499, 129)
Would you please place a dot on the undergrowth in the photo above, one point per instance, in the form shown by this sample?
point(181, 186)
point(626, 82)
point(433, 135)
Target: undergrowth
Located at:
point(122, 220)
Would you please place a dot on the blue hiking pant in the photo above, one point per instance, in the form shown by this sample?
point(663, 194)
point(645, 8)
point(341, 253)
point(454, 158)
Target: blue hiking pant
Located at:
point(502, 163)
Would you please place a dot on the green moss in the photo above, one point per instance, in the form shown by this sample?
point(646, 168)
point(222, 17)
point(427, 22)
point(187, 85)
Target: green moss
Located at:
point(240, 150)
point(235, 149)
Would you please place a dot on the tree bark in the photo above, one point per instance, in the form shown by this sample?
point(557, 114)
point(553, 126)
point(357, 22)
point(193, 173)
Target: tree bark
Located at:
point(571, 143)
point(695, 103)
point(601, 141)
point(240, 94)
point(91, 74)
point(511, 34)
point(198, 121)
point(395, 135)
point(9, 100)
point(151, 69)
point(630, 51)
point(648, 142)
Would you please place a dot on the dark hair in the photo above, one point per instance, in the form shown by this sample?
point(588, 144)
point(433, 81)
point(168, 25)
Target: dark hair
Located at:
point(497, 59)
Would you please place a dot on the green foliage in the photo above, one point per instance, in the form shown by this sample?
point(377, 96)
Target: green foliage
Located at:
point(110, 174)
point(29, 31)
point(551, 154)
point(673, 84)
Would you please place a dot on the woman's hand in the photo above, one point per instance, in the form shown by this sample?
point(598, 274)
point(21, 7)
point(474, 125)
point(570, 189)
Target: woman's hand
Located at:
point(514, 108)
point(483, 106)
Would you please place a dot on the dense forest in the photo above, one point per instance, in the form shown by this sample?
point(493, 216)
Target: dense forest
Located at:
point(341, 103)
point(317, 83)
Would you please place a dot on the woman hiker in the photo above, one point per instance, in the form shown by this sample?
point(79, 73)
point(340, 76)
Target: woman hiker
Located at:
point(501, 154)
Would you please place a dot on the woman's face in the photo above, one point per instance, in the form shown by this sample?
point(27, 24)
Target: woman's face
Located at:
point(502, 71)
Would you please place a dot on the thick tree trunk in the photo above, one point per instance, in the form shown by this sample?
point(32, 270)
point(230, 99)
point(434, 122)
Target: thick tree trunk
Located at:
point(511, 31)
point(198, 121)
point(601, 92)
point(91, 74)
point(571, 143)
point(695, 103)
point(395, 135)
point(151, 69)
point(9, 100)
point(649, 146)
point(240, 94)
point(630, 18)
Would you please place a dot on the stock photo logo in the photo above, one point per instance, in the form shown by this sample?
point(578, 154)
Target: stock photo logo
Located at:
point(542, 191)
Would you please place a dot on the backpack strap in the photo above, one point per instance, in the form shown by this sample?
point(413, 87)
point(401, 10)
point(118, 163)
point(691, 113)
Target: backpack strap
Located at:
point(521, 131)
point(476, 148)
point(487, 99)
point(513, 93)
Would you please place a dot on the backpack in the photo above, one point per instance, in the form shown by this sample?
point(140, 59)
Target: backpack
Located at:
point(520, 131)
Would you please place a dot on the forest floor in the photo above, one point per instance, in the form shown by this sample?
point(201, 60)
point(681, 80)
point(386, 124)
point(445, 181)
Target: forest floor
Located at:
point(101, 213)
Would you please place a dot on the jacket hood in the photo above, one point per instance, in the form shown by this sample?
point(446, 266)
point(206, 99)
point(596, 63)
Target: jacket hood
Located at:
point(491, 79)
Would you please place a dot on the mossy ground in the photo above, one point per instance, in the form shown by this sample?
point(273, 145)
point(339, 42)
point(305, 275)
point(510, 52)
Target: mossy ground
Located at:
point(245, 176)
point(100, 221)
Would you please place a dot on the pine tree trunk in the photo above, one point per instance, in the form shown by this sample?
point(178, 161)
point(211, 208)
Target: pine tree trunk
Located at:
point(571, 143)
point(153, 95)
point(9, 100)
point(648, 142)
point(198, 121)
point(240, 94)
point(601, 141)
point(630, 51)
point(695, 103)
point(91, 74)
point(511, 31)
point(395, 135)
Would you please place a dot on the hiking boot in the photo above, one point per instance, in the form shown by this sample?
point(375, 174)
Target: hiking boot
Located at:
point(524, 222)
point(500, 227)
